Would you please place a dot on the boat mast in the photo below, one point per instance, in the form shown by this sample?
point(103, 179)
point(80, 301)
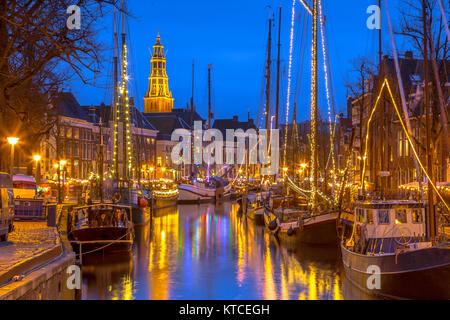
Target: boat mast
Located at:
point(192, 120)
point(431, 216)
point(124, 97)
point(269, 49)
point(314, 61)
point(115, 104)
point(383, 106)
point(278, 72)
point(101, 160)
point(209, 96)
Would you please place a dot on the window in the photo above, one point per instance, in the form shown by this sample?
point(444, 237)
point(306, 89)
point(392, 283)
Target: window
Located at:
point(403, 145)
point(369, 216)
point(76, 133)
point(360, 215)
point(159, 161)
point(400, 217)
point(383, 217)
point(69, 132)
point(417, 216)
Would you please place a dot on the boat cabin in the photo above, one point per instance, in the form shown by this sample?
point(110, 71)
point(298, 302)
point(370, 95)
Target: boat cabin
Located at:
point(384, 226)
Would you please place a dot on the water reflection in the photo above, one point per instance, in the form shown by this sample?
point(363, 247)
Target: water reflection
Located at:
point(209, 252)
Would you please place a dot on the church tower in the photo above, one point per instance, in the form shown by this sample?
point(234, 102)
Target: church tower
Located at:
point(158, 98)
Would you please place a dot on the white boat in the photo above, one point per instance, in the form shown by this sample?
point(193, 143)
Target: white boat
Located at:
point(393, 237)
point(196, 192)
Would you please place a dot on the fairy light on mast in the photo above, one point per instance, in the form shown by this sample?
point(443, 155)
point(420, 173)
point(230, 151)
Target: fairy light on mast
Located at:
point(327, 90)
point(291, 46)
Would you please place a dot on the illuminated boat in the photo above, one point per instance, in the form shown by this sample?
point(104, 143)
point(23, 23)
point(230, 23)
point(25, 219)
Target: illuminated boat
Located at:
point(164, 192)
point(196, 192)
point(255, 207)
point(100, 227)
point(390, 238)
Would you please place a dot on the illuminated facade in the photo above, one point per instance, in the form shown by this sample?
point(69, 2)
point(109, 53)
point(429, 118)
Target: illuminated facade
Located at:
point(158, 97)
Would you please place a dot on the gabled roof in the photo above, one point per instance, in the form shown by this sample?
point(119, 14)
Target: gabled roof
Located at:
point(68, 106)
point(234, 123)
point(166, 124)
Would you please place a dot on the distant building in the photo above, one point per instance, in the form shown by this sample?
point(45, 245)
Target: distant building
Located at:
point(76, 139)
point(388, 147)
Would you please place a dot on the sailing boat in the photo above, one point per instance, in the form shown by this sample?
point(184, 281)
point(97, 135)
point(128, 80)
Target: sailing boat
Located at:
point(308, 223)
point(194, 190)
point(397, 239)
point(127, 191)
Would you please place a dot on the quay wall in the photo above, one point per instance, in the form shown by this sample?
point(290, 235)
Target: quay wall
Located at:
point(47, 283)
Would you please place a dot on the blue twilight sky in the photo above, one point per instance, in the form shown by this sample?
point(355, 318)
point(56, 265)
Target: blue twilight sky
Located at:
point(232, 35)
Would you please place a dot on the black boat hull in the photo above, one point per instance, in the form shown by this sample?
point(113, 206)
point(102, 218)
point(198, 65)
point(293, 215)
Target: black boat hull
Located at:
point(140, 216)
point(99, 237)
point(418, 274)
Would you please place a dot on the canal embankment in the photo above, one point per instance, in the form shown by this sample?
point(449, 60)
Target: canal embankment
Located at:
point(34, 262)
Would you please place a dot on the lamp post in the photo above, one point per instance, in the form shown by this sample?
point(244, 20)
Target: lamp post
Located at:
point(37, 158)
point(163, 169)
point(62, 163)
point(12, 141)
point(58, 172)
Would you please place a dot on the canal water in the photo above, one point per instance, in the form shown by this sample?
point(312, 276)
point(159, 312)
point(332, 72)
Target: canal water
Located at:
point(209, 252)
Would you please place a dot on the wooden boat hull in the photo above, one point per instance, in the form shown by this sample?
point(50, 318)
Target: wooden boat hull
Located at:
point(101, 234)
point(160, 203)
point(257, 215)
point(418, 274)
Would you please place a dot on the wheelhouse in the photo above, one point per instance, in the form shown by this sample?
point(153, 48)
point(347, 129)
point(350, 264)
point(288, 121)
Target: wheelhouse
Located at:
point(384, 226)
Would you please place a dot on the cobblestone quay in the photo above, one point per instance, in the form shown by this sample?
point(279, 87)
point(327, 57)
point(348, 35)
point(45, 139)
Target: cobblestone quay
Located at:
point(33, 263)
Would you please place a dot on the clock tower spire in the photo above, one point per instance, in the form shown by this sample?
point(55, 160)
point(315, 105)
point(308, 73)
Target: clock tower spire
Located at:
point(158, 98)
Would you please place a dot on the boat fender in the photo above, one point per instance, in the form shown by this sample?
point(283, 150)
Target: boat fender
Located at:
point(143, 203)
point(273, 225)
point(290, 231)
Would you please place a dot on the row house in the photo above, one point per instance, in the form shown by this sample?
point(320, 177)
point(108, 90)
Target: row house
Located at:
point(77, 138)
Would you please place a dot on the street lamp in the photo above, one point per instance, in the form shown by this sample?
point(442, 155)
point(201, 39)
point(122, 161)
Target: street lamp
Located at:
point(37, 158)
point(163, 172)
point(12, 141)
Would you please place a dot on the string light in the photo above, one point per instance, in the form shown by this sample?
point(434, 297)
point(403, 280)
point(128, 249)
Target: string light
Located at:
point(386, 84)
point(291, 45)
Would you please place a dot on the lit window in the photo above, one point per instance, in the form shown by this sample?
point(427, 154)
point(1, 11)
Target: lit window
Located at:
point(400, 217)
point(369, 216)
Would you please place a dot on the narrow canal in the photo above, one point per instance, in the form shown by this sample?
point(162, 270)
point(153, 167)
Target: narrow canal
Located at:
point(208, 252)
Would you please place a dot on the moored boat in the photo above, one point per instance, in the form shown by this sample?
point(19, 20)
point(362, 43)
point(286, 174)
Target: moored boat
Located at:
point(100, 227)
point(390, 239)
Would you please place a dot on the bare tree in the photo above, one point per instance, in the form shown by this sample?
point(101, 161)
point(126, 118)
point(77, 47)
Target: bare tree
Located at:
point(38, 53)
